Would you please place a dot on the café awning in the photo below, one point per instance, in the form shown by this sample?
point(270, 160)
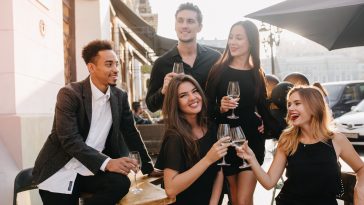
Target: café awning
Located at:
point(141, 28)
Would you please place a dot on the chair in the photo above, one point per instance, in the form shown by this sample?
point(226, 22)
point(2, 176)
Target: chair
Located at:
point(279, 185)
point(152, 135)
point(23, 182)
point(349, 181)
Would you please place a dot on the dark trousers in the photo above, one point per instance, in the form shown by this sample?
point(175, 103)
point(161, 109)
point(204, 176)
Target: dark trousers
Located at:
point(104, 188)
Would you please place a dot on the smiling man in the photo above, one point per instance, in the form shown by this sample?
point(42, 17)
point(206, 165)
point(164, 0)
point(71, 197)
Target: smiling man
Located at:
point(92, 133)
point(197, 59)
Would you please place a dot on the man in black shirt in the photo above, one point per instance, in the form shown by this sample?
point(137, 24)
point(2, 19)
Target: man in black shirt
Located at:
point(197, 59)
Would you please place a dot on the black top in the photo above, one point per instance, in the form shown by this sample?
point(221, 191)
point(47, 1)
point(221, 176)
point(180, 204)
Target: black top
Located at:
point(172, 156)
point(248, 120)
point(312, 176)
point(205, 59)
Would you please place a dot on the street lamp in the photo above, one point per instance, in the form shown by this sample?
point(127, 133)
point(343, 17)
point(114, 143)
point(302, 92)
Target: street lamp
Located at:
point(271, 40)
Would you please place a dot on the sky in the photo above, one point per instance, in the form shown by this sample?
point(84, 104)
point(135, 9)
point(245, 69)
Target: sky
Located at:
point(218, 15)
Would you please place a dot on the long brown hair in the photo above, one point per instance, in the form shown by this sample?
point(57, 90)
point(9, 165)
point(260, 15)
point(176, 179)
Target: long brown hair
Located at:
point(314, 102)
point(252, 33)
point(175, 121)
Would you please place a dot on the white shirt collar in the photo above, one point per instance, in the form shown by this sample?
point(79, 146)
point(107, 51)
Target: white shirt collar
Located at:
point(97, 94)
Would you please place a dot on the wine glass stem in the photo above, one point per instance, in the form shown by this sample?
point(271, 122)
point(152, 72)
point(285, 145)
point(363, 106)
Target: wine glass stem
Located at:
point(135, 180)
point(232, 112)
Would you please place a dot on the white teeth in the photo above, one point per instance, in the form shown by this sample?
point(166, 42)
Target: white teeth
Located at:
point(193, 104)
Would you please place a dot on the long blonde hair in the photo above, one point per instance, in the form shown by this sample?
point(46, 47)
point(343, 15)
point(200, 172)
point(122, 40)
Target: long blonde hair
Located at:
point(313, 101)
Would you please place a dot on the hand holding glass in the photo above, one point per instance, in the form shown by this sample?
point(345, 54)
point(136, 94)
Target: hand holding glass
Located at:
point(223, 131)
point(178, 67)
point(135, 155)
point(233, 91)
point(238, 138)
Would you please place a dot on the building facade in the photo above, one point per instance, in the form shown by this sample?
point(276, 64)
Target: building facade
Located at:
point(41, 43)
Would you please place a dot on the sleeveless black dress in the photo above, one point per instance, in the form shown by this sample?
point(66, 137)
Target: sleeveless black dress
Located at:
point(312, 176)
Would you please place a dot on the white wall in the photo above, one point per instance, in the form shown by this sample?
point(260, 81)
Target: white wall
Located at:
point(31, 74)
point(90, 27)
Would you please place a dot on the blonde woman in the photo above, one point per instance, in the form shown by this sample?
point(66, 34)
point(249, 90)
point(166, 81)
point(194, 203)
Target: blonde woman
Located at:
point(309, 152)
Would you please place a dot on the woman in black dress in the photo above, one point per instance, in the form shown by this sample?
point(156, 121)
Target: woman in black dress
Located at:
point(309, 151)
point(240, 62)
point(189, 150)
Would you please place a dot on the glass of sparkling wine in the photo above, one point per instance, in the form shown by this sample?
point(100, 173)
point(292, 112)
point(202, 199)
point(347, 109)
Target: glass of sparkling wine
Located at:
point(178, 67)
point(135, 155)
point(238, 138)
point(223, 131)
point(233, 91)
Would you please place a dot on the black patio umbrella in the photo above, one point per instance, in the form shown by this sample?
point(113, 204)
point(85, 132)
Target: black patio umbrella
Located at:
point(332, 23)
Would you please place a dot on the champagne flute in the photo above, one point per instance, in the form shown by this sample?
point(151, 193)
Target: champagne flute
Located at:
point(135, 155)
point(178, 67)
point(223, 131)
point(238, 138)
point(233, 92)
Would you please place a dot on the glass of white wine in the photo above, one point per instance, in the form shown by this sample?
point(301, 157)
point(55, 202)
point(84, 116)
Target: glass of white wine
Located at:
point(223, 131)
point(237, 139)
point(135, 155)
point(178, 68)
point(233, 91)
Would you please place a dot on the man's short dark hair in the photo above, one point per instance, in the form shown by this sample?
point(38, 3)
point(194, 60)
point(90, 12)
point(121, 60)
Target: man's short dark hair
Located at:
point(191, 7)
point(135, 106)
point(90, 51)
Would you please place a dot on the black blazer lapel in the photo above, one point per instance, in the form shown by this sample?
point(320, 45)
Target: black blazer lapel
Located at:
point(87, 98)
point(114, 104)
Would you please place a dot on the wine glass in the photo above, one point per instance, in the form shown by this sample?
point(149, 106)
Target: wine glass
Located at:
point(223, 131)
point(233, 92)
point(178, 67)
point(135, 155)
point(238, 138)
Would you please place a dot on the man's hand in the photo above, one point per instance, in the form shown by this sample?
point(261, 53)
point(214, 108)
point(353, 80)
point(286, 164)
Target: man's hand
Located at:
point(166, 81)
point(121, 165)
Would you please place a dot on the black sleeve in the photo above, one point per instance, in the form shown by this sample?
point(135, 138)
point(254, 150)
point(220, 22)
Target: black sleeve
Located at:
point(154, 98)
point(171, 154)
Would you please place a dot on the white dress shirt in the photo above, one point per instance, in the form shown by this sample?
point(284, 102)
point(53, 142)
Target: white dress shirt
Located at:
point(101, 121)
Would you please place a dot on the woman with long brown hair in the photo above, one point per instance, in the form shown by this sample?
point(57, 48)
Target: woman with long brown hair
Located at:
point(240, 62)
point(309, 150)
point(189, 150)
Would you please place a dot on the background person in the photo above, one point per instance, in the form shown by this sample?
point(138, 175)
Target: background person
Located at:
point(189, 150)
point(296, 78)
point(92, 132)
point(323, 90)
point(197, 59)
point(240, 62)
point(140, 115)
point(309, 152)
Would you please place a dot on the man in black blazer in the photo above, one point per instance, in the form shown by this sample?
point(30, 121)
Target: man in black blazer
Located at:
point(93, 132)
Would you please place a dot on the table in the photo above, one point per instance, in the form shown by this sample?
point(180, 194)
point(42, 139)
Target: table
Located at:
point(152, 194)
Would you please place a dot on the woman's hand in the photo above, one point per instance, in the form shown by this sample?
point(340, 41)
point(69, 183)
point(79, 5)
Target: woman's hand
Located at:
point(245, 152)
point(227, 103)
point(261, 127)
point(218, 150)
